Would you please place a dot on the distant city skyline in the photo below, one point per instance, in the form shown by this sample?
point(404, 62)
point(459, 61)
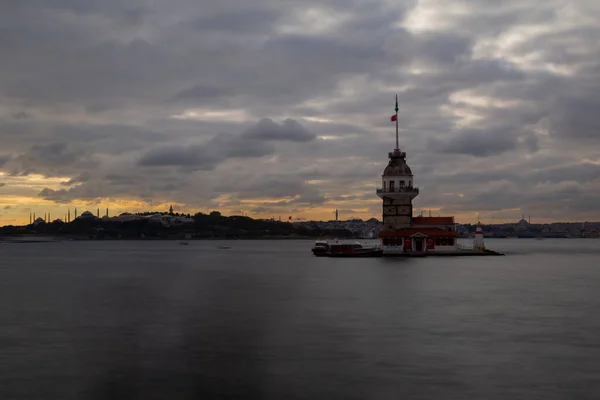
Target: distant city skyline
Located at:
point(328, 216)
point(279, 107)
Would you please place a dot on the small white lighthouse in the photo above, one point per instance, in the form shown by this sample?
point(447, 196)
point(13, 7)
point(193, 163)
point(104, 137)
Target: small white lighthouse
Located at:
point(478, 244)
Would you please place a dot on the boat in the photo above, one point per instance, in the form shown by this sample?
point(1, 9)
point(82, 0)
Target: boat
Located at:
point(336, 249)
point(184, 243)
point(320, 248)
point(223, 246)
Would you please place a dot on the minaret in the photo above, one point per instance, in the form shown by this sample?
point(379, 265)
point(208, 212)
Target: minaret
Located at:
point(336, 215)
point(397, 191)
point(98, 213)
point(30, 220)
point(106, 211)
point(69, 215)
point(75, 213)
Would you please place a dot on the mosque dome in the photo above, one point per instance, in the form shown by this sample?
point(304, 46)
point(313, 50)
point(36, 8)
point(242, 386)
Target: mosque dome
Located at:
point(87, 214)
point(397, 165)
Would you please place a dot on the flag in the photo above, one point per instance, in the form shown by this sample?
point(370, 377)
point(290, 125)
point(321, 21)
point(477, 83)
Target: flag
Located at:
point(394, 117)
point(290, 218)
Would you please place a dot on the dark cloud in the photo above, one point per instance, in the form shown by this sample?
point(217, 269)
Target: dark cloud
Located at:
point(52, 160)
point(201, 92)
point(83, 177)
point(477, 142)
point(191, 156)
point(20, 115)
point(4, 158)
point(288, 130)
point(205, 156)
point(250, 144)
point(575, 118)
point(59, 196)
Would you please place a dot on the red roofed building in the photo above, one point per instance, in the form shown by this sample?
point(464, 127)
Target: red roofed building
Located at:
point(401, 232)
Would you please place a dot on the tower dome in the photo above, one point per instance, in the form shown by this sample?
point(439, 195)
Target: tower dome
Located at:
point(397, 165)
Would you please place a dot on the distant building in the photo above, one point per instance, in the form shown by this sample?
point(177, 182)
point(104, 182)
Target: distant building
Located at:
point(38, 221)
point(522, 225)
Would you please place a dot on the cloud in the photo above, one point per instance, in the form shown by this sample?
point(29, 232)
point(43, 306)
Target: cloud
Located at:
point(195, 156)
point(478, 143)
point(4, 158)
point(252, 143)
point(59, 196)
point(211, 104)
point(288, 130)
point(205, 156)
point(52, 160)
point(83, 177)
point(20, 115)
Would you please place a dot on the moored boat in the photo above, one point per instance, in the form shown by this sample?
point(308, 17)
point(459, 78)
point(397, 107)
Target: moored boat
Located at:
point(320, 248)
point(337, 249)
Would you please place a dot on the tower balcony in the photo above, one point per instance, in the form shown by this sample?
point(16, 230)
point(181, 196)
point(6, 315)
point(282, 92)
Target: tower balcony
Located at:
point(402, 190)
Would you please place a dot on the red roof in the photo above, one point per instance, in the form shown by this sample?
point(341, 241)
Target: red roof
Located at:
point(433, 221)
point(429, 232)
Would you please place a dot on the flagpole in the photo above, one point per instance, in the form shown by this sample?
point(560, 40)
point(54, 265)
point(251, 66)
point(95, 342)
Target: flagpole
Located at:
point(397, 147)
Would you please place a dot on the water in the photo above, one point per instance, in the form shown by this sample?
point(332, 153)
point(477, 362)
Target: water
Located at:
point(267, 320)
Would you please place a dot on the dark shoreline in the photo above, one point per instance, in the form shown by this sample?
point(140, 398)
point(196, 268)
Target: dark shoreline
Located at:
point(35, 239)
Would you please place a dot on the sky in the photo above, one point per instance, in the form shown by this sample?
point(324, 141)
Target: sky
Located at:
point(282, 107)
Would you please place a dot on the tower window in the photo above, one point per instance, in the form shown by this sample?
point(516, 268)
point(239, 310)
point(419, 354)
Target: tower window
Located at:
point(401, 184)
point(383, 185)
point(392, 186)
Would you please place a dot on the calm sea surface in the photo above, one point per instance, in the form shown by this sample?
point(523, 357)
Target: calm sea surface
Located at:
point(267, 320)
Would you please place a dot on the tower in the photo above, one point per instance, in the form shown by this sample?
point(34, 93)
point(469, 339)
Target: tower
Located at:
point(171, 210)
point(107, 212)
point(478, 241)
point(397, 191)
point(336, 215)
